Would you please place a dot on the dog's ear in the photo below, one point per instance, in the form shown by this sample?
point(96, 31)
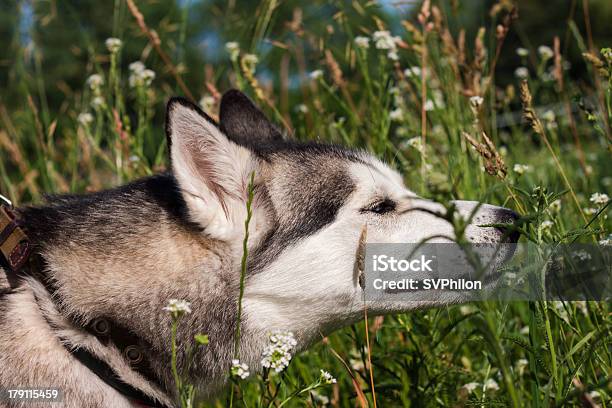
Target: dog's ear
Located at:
point(244, 123)
point(212, 171)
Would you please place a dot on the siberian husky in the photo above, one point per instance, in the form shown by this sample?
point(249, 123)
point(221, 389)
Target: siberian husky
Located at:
point(85, 316)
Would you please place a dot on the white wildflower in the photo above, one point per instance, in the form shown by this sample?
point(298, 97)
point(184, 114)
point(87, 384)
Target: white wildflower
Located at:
point(250, 61)
point(177, 307)
point(524, 330)
point(316, 74)
point(555, 206)
point(207, 103)
point(362, 42)
point(113, 45)
point(599, 199)
point(412, 71)
point(521, 365)
point(491, 384)
point(140, 75)
point(522, 52)
point(414, 142)
point(545, 52)
point(396, 114)
point(85, 118)
point(470, 387)
point(277, 353)
point(148, 76)
point(233, 48)
point(136, 67)
point(549, 116)
point(607, 241)
point(301, 108)
point(95, 81)
point(239, 369)
point(383, 40)
point(521, 73)
point(476, 101)
point(546, 225)
point(327, 378)
point(589, 211)
point(97, 102)
point(429, 105)
point(520, 169)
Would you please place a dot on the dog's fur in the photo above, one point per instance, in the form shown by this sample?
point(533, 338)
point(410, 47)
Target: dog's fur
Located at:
point(123, 253)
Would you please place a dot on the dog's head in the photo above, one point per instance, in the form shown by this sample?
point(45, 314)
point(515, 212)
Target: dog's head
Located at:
point(311, 202)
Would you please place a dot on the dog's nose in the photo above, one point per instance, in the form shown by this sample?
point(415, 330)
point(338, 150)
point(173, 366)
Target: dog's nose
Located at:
point(507, 216)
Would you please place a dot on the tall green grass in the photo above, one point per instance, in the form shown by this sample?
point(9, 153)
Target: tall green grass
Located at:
point(437, 114)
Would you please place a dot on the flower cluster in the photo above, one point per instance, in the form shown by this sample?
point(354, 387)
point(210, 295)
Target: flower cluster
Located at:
point(95, 83)
point(233, 48)
point(547, 225)
point(414, 142)
point(470, 387)
point(520, 169)
point(491, 384)
point(250, 62)
point(521, 73)
point(476, 102)
point(277, 353)
point(140, 76)
point(555, 206)
point(599, 199)
point(521, 365)
point(362, 42)
point(240, 370)
point(412, 72)
point(327, 378)
point(383, 40)
point(545, 52)
point(85, 119)
point(177, 307)
point(207, 102)
point(522, 52)
point(113, 45)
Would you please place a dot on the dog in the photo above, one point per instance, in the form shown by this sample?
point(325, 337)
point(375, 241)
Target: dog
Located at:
point(108, 262)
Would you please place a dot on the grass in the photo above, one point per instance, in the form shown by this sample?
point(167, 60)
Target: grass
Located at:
point(438, 115)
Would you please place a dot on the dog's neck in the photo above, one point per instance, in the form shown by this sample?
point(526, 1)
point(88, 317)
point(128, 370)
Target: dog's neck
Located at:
point(126, 264)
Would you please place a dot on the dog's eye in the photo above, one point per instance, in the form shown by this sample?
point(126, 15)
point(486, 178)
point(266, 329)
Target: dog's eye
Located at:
point(381, 207)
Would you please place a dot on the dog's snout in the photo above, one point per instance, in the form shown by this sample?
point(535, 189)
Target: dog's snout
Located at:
point(507, 216)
